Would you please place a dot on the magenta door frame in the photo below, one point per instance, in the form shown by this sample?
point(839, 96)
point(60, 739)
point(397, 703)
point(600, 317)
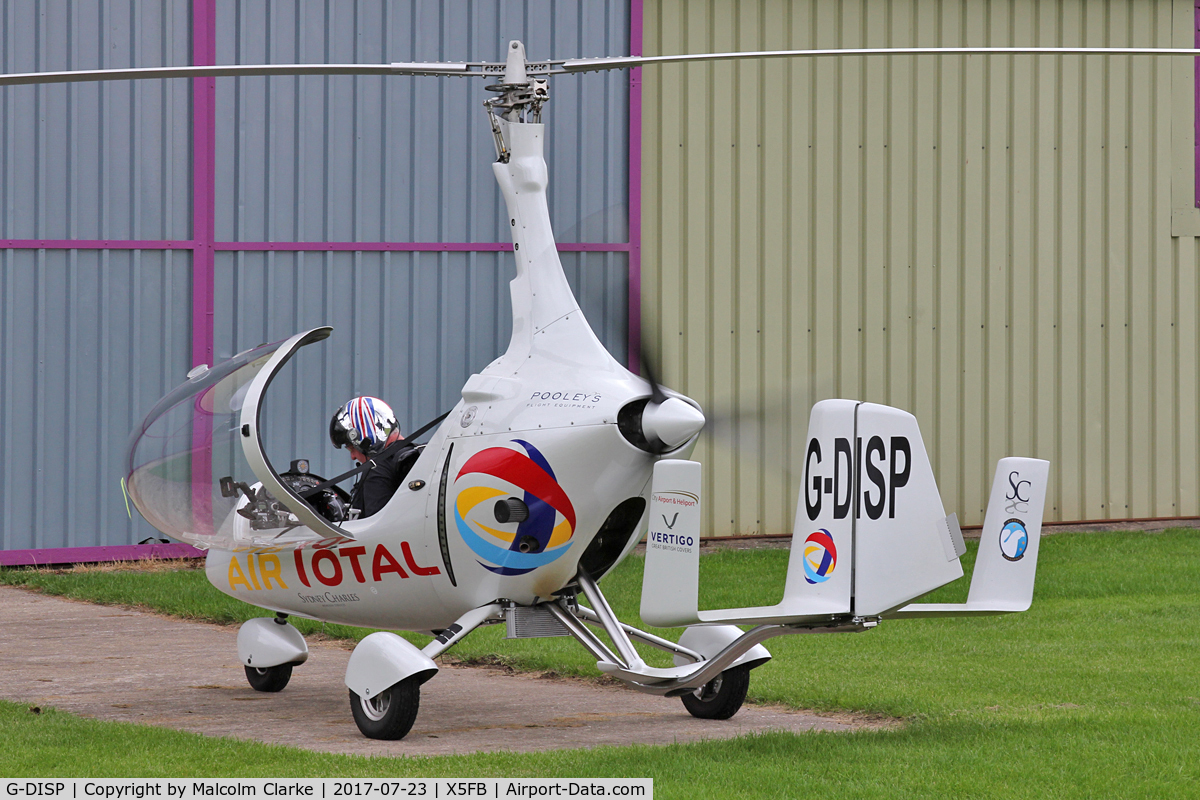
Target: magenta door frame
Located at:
point(203, 246)
point(634, 337)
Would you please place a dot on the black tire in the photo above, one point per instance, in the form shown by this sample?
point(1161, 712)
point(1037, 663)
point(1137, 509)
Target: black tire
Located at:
point(269, 679)
point(389, 714)
point(721, 697)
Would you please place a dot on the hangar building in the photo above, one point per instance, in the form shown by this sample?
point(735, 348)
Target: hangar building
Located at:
point(1004, 246)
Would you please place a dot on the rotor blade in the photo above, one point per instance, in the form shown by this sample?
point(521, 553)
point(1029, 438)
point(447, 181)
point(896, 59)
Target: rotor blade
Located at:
point(624, 62)
point(490, 69)
point(746, 428)
point(242, 70)
point(648, 366)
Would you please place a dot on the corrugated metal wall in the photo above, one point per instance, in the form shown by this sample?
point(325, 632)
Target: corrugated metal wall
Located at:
point(985, 242)
point(88, 338)
point(408, 327)
point(91, 338)
point(90, 160)
point(402, 160)
point(409, 159)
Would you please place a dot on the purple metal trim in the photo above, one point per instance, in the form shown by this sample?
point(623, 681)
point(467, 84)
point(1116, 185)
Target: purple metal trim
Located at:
point(635, 189)
point(94, 244)
point(414, 247)
point(183, 244)
point(87, 555)
point(204, 97)
point(204, 125)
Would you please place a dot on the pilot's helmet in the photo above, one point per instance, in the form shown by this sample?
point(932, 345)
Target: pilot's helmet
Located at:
point(364, 423)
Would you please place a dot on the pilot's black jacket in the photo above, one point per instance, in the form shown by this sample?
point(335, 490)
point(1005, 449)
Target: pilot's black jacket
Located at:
point(380, 482)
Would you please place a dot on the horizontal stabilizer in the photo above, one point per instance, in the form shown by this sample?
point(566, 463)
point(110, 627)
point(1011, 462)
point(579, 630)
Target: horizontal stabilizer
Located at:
point(1005, 567)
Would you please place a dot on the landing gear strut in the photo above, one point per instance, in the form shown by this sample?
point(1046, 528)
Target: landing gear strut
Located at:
point(722, 654)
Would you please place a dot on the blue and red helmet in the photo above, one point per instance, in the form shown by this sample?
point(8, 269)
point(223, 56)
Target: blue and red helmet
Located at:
point(364, 423)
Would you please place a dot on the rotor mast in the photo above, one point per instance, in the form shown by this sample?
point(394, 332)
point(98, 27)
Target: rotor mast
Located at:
point(519, 99)
point(541, 296)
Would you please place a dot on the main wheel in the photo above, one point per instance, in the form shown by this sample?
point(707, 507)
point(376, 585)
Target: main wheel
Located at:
point(721, 697)
point(389, 714)
point(270, 679)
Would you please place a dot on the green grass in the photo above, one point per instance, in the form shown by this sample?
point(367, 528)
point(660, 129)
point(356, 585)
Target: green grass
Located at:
point(1095, 692)
point(1130, 755)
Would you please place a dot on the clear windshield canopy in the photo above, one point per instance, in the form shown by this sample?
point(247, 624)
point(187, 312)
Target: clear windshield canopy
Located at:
point(187, 470)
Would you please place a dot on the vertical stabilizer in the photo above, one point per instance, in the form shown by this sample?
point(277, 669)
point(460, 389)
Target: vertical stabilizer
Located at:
point(821, 563)
point(671, 580)
point(1008, 546)
point(904, 545)
point(819, 569)
point(1006, 565)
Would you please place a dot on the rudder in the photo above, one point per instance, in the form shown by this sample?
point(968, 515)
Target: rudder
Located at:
point(1006, 565)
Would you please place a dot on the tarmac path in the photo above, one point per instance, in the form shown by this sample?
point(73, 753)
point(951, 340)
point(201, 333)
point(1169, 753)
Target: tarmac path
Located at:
point(111, 663)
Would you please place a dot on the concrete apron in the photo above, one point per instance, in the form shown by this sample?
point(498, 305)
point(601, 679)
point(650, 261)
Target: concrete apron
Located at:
point(110, 663)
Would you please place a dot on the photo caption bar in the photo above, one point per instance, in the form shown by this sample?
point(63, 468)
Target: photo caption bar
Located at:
point(322, 788)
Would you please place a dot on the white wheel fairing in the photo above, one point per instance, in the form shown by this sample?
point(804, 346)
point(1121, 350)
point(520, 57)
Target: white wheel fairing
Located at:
point(263, 643)
point(382, 660)
point(709, 640)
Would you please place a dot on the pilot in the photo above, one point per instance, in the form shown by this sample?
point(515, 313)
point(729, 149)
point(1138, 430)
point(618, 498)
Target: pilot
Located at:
point(367, 427)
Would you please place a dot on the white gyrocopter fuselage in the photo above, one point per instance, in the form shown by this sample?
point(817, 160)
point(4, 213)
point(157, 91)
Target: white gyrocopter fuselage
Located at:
point(542, 478)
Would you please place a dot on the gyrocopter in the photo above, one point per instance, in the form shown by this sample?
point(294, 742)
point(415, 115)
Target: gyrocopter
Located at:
point(546, 474)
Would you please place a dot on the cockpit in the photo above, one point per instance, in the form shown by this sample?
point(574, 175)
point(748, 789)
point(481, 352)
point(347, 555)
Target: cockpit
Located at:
point(197, 471)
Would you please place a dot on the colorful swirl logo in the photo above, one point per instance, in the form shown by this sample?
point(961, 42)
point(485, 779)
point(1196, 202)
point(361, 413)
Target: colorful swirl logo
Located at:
point(544, 535)
point(820, 556)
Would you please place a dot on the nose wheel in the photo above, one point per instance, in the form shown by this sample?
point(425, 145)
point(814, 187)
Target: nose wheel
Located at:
point(269, 679)
point(721, 697)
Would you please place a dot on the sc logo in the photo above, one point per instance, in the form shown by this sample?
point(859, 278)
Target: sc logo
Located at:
point(1018, 498)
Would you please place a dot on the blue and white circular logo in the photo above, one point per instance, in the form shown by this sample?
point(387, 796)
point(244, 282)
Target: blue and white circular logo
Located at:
point(1013, 540)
